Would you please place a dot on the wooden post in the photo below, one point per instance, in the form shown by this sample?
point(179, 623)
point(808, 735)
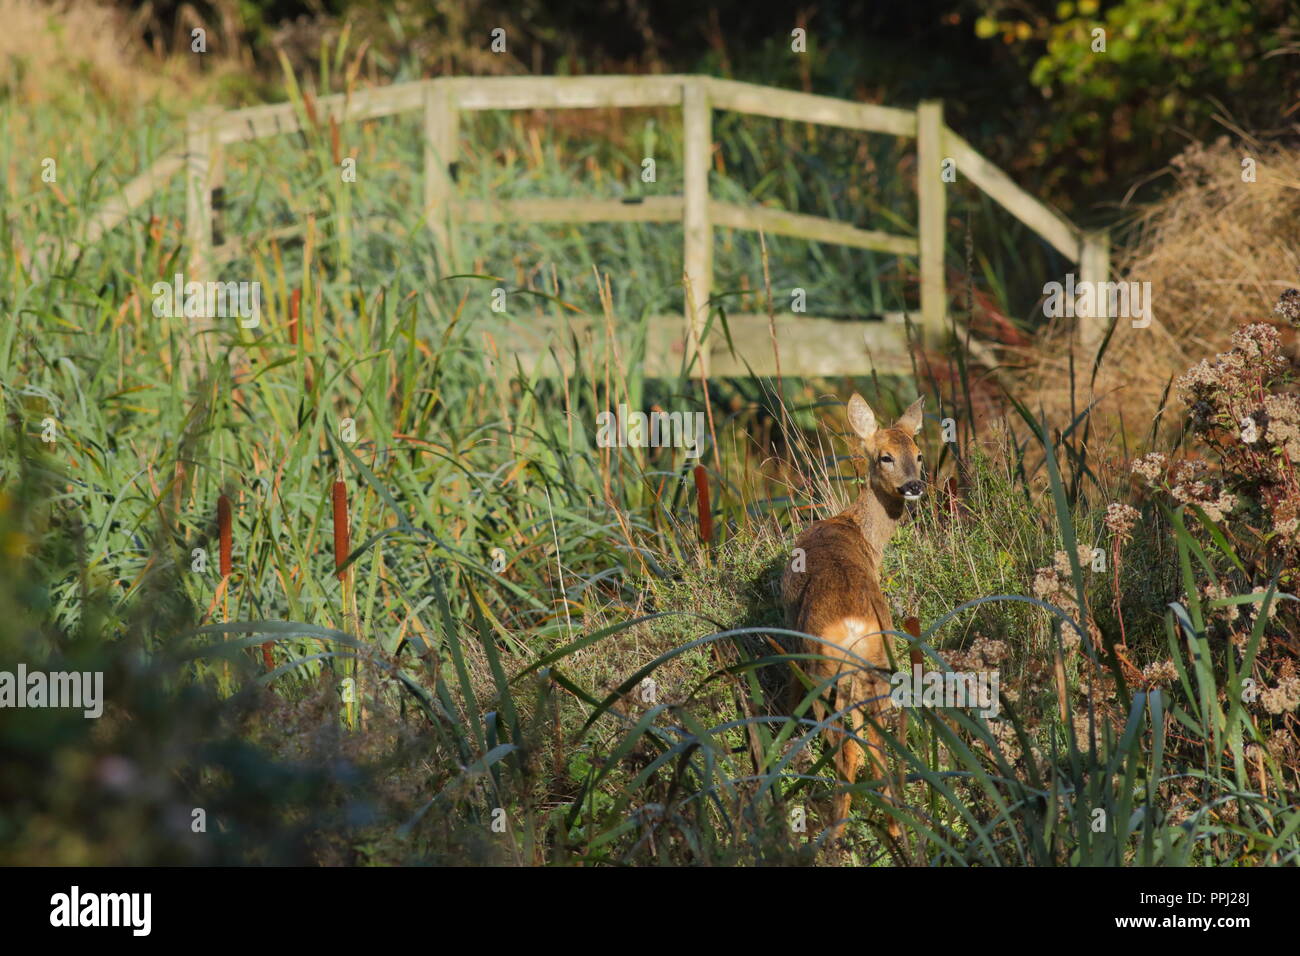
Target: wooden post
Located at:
point(441, 136)
point(218, 199)
point(1094, 266)
point(932, 211)
point(697, 120)
point(200, 148)
point(200, 144)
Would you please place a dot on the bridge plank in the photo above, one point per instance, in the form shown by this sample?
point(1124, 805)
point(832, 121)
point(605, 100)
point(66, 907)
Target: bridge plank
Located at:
point(808, 345)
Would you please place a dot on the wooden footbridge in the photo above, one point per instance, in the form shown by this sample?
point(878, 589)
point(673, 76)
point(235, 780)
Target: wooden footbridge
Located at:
point(808, 345)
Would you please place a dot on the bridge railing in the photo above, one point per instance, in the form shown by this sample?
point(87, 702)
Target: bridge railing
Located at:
point(443, 100)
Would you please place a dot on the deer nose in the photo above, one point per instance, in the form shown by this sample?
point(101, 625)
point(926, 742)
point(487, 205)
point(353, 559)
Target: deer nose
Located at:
point(912, 490)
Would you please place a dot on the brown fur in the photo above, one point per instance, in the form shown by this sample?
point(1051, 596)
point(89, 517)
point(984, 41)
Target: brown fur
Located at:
point(837, 596)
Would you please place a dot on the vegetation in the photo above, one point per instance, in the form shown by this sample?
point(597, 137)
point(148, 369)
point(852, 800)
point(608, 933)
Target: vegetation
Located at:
point(520, 651)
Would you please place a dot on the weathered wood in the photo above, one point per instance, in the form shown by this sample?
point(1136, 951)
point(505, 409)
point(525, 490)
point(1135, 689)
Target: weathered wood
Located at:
point(932, 206)
point(567, 92)
point(199, 145)
point(813, 345)
point(441, 146)
point(134, 194)
point(440, 101)
point(1048, 223)
point(236, 246)
point(809, 108)
point(109, 216)
point(255, 122)
point(697, 119)
point(1094, 267)
point(647, 209)
point(778, 222)
point(217, 184)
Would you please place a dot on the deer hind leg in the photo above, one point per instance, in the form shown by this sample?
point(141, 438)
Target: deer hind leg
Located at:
point(877, 692)
point(869, 695)
point(852, 688)
point(820, 672)
point(818, 711)
point(848, 759)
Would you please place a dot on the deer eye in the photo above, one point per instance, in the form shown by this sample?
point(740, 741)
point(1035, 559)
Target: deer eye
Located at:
point(919, 457)
point(886, 459)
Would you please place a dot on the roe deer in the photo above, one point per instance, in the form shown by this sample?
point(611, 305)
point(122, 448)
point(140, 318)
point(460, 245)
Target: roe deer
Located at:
point(836, 596)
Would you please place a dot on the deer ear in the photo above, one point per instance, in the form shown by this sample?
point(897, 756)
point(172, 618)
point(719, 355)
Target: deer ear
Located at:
point(861, 418)
point(910, 421)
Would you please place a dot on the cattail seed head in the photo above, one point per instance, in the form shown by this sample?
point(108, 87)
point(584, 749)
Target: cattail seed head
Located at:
point(702, 503)
point(223, 525)
point(912, 626)
point(295, 301)
point(341, 544)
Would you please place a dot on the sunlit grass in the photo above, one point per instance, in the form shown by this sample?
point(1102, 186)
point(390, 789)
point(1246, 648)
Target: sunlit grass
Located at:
point(512, 586)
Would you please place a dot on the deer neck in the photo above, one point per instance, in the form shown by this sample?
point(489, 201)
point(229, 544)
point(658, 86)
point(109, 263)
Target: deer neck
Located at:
point(877, 516)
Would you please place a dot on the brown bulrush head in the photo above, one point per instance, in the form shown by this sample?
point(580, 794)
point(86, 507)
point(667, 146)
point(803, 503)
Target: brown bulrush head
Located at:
point(295, 300)
point(952, 499)
point(309, 107)
point(702, 504)
point(341, 545)
point(226, 562)
point(913, 626)
point(223, 525)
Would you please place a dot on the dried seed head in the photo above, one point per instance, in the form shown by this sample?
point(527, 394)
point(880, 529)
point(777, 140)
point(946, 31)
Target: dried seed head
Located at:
point(1120, 519)
point(1150, 467)
point(1288, 306)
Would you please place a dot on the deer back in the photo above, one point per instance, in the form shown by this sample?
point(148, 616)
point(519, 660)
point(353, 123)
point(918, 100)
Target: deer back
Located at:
point(840, 582)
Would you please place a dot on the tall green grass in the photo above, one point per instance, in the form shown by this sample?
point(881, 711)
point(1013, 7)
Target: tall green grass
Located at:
point(474, 686)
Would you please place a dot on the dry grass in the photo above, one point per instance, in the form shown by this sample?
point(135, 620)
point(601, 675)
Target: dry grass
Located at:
point(1217, 251)
point(43, 43)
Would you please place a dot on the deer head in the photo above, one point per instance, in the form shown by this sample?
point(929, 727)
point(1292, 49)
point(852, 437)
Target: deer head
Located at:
point(893, 460)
